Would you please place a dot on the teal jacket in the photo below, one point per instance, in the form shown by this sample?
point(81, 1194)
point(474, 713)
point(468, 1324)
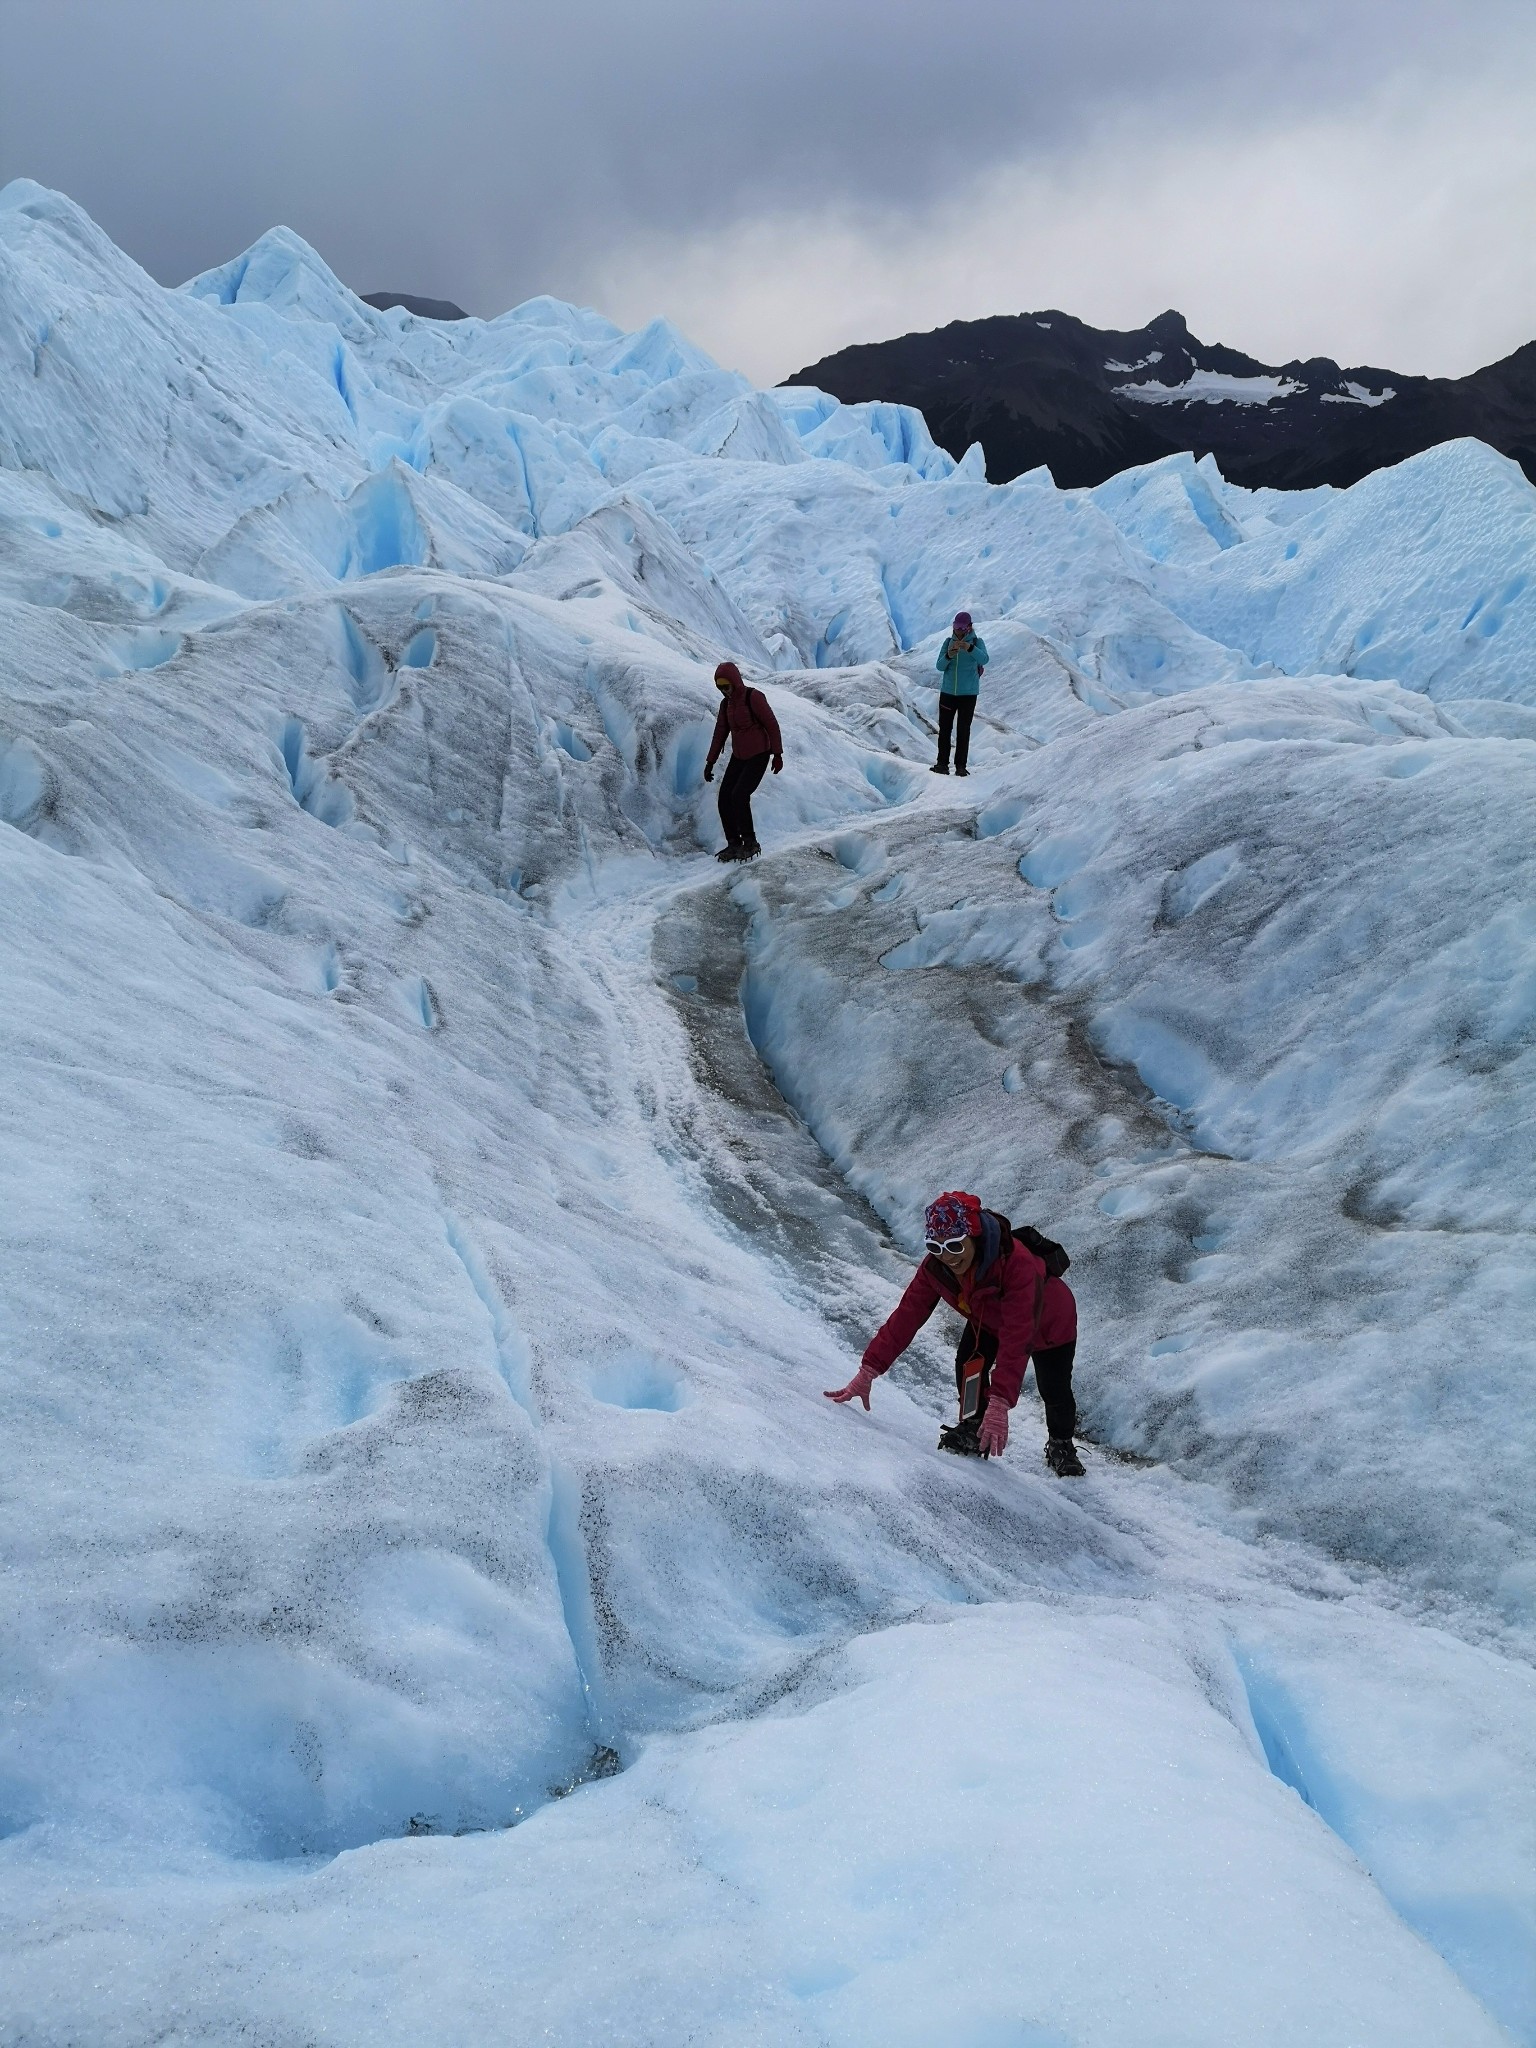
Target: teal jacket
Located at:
point(962, 662)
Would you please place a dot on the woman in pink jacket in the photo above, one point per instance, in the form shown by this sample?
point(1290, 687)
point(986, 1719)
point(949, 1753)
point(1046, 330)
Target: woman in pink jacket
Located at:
point(1013, 1310)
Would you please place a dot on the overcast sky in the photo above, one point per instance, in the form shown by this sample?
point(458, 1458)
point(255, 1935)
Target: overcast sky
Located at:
point(1346, 177)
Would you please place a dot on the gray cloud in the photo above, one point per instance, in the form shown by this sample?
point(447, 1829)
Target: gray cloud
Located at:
point(486, 152)
point(1396, 233)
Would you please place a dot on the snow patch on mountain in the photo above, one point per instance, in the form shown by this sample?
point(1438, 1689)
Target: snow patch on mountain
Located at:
point(1208, 387)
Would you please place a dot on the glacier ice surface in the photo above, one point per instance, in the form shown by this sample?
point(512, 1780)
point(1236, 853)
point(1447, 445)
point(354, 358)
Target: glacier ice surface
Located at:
point(441, 1605)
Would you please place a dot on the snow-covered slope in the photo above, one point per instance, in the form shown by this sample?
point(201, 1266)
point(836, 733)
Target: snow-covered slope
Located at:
point(441, 1606)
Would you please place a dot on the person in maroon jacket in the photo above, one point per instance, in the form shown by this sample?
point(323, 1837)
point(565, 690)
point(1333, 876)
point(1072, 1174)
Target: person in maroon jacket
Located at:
point(1012, 1309)
point(747, 717)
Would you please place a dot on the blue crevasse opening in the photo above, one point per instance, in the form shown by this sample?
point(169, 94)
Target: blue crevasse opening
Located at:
point(339, 379)
point(312, 788)
point(386, 533)
point(367, 677)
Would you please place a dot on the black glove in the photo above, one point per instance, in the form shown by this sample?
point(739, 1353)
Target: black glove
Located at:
point(709, 774)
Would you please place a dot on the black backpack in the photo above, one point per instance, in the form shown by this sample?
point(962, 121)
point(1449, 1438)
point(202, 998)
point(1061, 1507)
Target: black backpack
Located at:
point(1044, 1248)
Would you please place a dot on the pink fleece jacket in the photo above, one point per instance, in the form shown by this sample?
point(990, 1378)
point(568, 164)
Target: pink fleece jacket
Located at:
point(1006, 1297)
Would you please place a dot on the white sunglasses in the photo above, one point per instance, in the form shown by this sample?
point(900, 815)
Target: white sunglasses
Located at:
point(953, 1245)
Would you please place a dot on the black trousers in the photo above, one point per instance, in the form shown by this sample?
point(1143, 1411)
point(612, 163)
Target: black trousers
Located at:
point(956, 713)
point(1053, 1377)
point(736, 787)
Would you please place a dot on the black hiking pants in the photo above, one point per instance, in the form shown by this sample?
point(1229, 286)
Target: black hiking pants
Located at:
point(736, 787)
point(1053, 1377)
point(955, 714)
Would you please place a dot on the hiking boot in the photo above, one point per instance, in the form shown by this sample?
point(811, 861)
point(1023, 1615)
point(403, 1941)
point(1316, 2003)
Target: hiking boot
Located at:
point(962, 1438)
point(938, 768)
point(748, 850)
point(1061, 1456)
point(962, 771)
point(730, 852)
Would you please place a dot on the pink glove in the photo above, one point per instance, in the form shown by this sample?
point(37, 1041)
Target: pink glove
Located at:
point(992, 1438)
point(858, 1388)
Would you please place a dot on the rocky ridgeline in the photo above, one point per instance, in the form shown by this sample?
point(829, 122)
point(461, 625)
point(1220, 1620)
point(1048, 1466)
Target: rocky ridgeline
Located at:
point(1087, 402)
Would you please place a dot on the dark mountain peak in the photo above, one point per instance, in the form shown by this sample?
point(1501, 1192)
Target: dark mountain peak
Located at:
point(1513, 377)
point(424, 309)
point(1046, 388)
point(1170, 326)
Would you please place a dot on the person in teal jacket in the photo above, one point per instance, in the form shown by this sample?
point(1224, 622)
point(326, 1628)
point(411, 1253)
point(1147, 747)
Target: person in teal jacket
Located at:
point(962, 662)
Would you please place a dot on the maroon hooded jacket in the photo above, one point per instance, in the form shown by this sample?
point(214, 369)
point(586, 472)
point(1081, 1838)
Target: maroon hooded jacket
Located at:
point(748, 717)
point(1003, 1293)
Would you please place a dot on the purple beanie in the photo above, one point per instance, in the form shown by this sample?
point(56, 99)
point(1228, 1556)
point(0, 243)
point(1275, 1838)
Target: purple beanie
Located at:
point(962, 622)
point(953, 1215)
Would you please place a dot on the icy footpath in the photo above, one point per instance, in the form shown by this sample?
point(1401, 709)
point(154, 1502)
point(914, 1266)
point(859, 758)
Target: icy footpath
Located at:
point(444, 1607)
point(1238, 987)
